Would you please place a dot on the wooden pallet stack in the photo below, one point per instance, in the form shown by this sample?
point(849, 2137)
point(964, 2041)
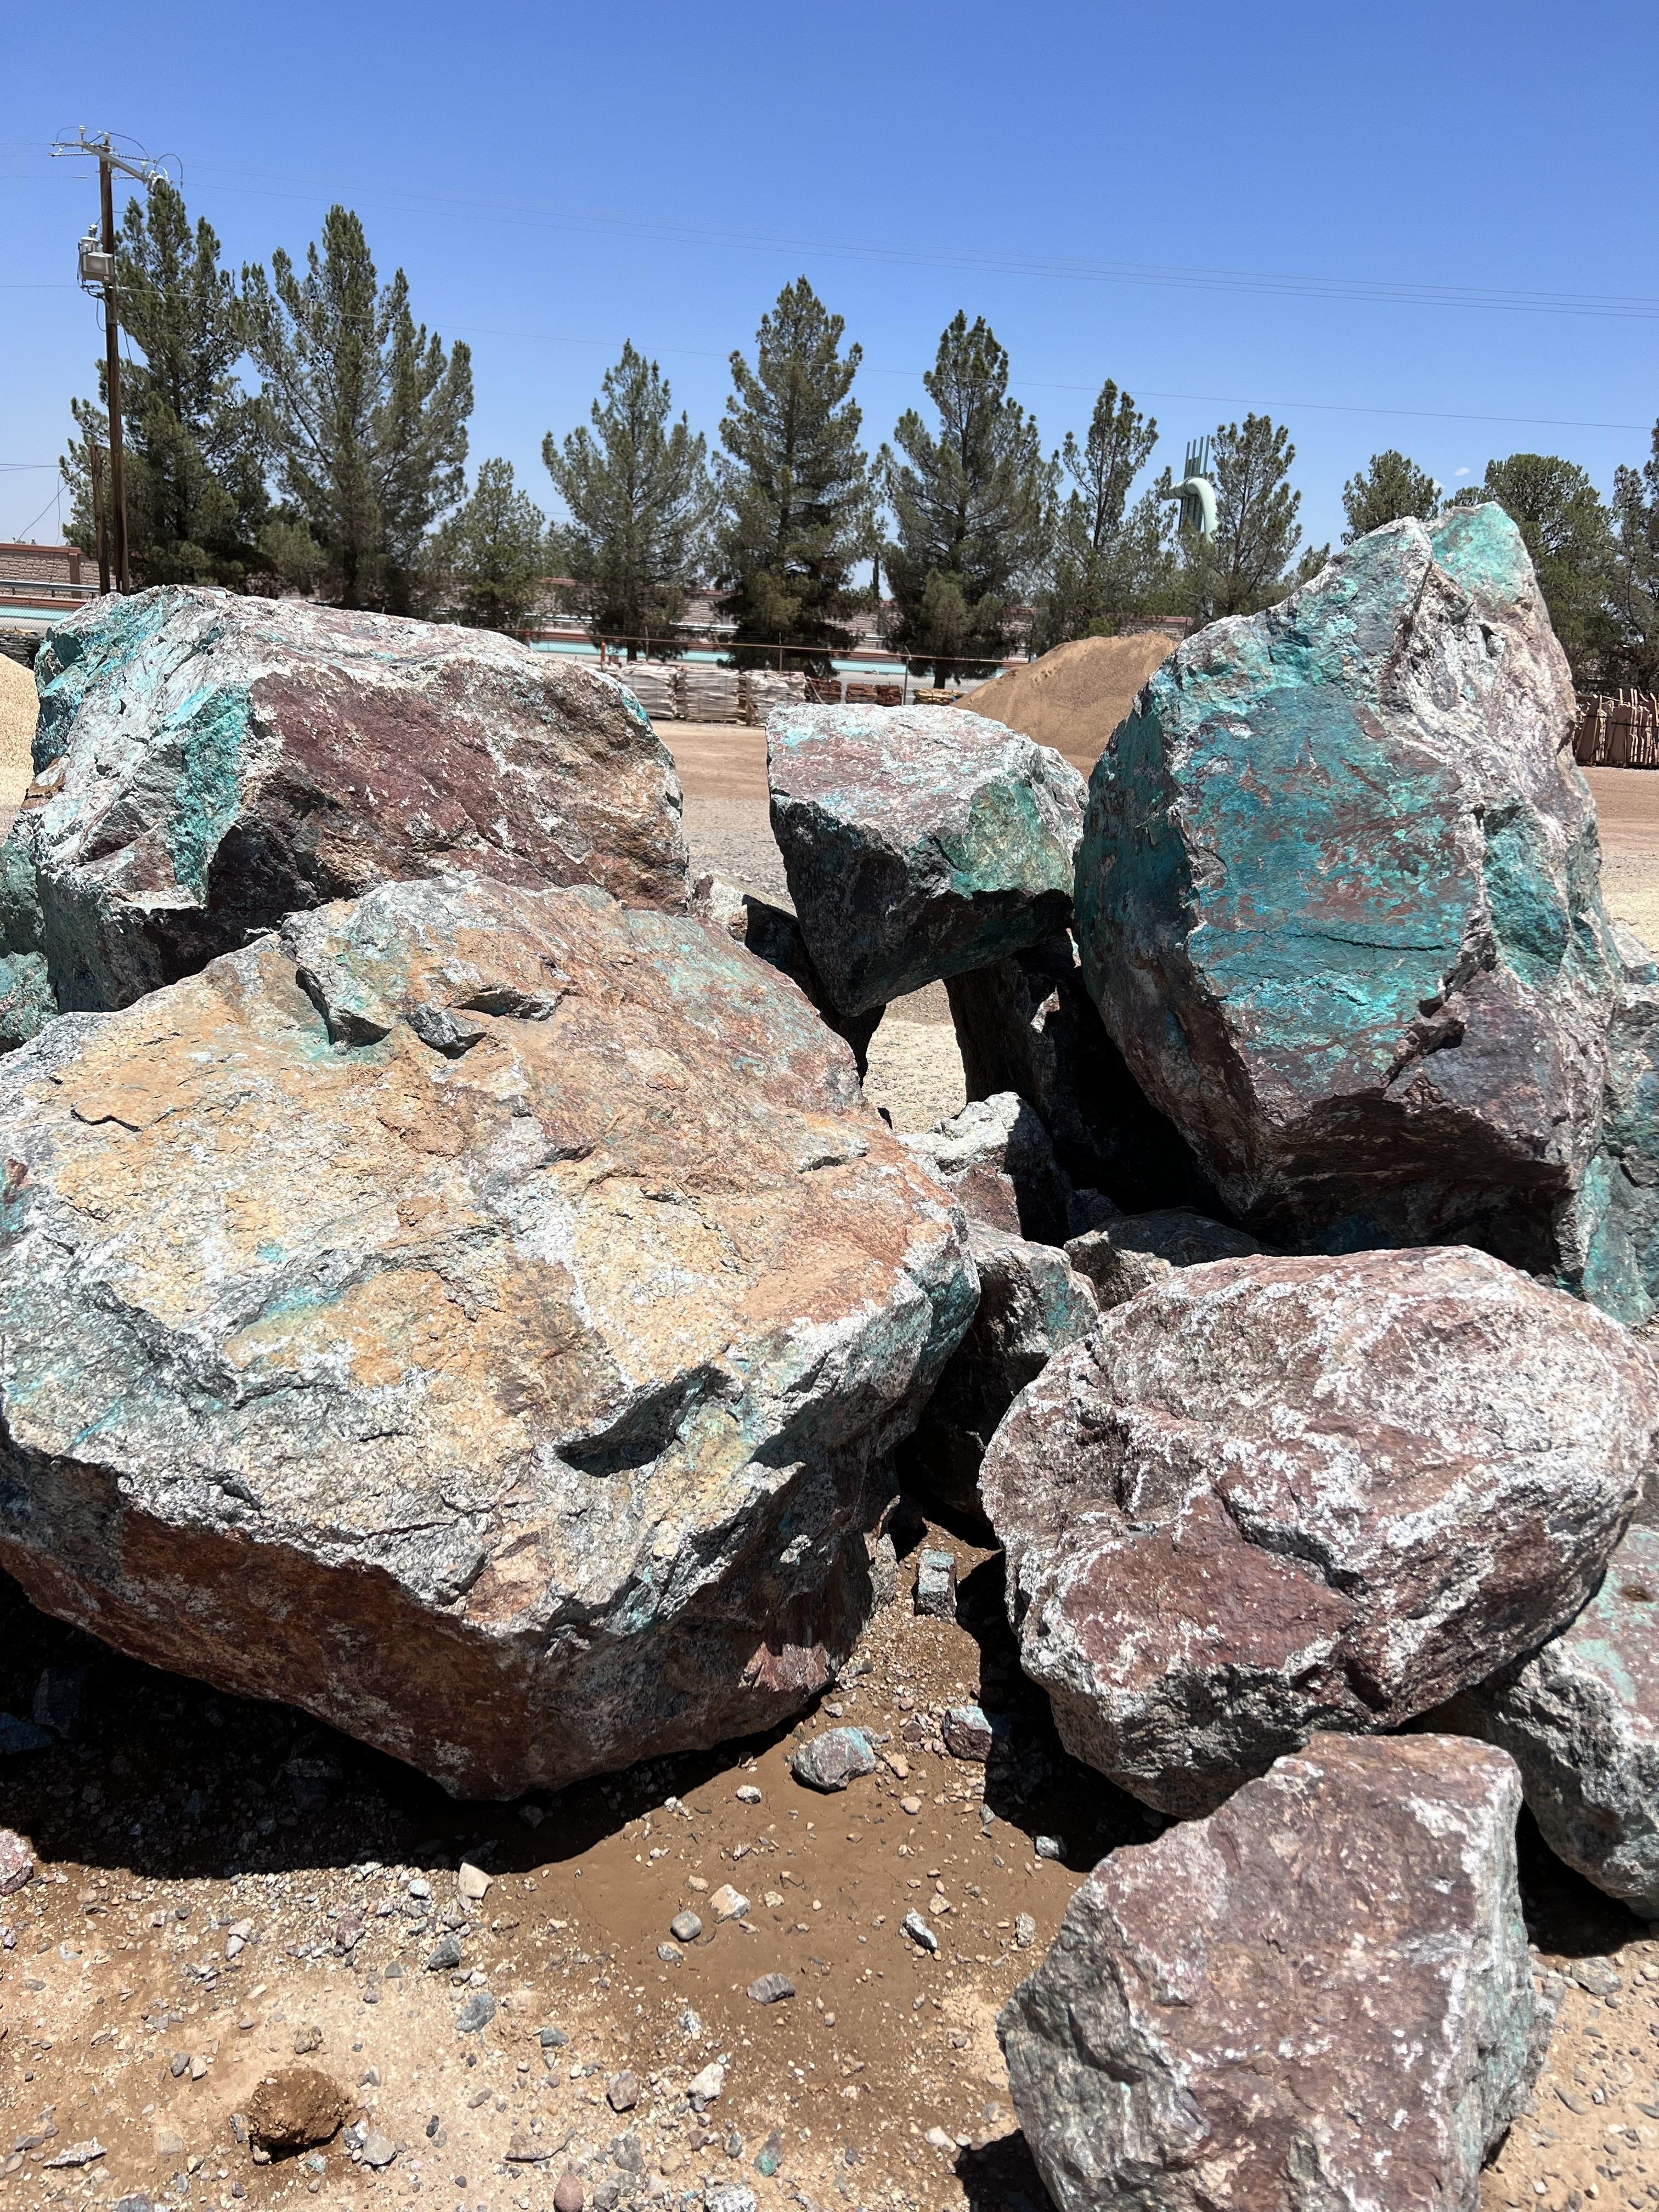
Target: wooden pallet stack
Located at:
point(760, 689)
point(709, 693)
point(1617, 729)
point(654, 684)
point(875, 695)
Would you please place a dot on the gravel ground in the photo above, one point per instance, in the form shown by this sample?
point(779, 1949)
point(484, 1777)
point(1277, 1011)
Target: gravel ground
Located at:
point(18, 707)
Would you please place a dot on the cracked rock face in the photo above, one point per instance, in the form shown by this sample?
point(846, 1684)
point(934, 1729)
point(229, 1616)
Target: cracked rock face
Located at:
point(478, 1315)
point(1271, 1495)
point(227, 760)
point(1319, 2000)
point(1581, 1721)
point(918, 842)
point(1338, 904)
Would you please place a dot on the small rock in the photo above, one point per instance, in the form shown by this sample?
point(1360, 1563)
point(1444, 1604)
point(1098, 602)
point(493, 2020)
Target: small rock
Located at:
point(477, 2011)
point(727, 2197)
point(472, 1882)
point(551, 2039)
point(834, 1760)
point(445, 1957)
point(17, 1735)
point(1048, 1847)
point(771, 1989)
point(884, 1570)
point(60, 1701)
point(622, 2092)
point(919, 1932)
point(179, 2064)
point(1596, 1976)
point(671, 1955)
point(295, 2109)
point(967, 1733)
point(78, 2153)
point(748, 1794)
point(1025, 1931)
point(568, 2195)
point(939, 2140)
point(16, 1862)
point(728, 1904)
point(910, 1805)
point(685, 1927)
point(703, 2088)
point(936, 1586)
point(379, 2149)
point(526, 2149)
point(198, 2067)
point(769, 2157)
point(306, 2039)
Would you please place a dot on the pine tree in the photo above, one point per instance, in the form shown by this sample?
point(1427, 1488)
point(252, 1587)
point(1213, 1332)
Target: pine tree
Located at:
point(1247, 565)
point(973, 508)
point(1389, 487)
point(796, 487)
point(637, 490)
point(488, 558)
point(1634, 579)
point(367, 415)
point(1110, 561)
point(194, 474)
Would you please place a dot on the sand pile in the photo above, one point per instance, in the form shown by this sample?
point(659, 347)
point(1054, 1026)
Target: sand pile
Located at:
point(17, 712)
point(1075, 697)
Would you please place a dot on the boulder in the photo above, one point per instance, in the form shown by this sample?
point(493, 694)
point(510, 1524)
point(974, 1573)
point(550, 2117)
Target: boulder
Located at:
point(225, 761)
point(1581, 1720)
point(995, 1159)
point(1318, 2000)
point(1032, 1303)
point(1271, 1495)
point(1339, 904)
point(1028, 1024)
point(1127, 1255)
point(1610, 1235)
point(919, 841)
point(773, 934)
point(480, 1316)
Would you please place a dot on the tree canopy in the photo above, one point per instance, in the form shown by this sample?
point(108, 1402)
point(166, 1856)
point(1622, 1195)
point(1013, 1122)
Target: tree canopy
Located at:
point(1110, 561)
point(488, 558)
point(1386, 489)
point(1246, 564)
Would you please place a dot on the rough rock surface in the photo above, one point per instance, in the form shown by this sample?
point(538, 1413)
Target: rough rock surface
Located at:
point(1028, 1024)
point(995, 1159)
point(1318, 2000)
point(1581, 1721)
point(919, 841)
point(1339, 902)
point(1271, 1495)
point(482, 1316)
point(1032, 1303)
point(1128, 1254)
point(832, 1760)
point(227, 760)
point(773, 934)
point(296, 2108)
point(1612, 1233)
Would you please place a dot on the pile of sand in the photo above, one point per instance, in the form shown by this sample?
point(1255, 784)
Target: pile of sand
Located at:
point(18, 706)
point(1075, 697)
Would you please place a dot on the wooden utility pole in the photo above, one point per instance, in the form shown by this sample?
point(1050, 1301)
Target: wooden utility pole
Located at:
point(98, 269)
point(95, 459)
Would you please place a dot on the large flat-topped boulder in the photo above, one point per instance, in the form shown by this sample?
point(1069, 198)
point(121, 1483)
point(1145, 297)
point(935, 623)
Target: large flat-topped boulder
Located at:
point(1269, 1496)
point(1319, 2000)
point(919, 841)
point(225, 761)
point(1339, 904)
point(480, 1316)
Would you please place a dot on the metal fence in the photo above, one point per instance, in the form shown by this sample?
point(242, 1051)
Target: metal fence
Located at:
point(1617, 729)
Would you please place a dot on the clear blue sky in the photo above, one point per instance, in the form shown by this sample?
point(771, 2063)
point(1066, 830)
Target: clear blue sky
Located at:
point(1115, 186)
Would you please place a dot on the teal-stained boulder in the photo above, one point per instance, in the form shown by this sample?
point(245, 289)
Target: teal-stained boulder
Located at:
point(918, 842)
point(1581, 1721)
point(1610, 1235)
point(226, 761)
point(1339, 904)
point(480, 1316)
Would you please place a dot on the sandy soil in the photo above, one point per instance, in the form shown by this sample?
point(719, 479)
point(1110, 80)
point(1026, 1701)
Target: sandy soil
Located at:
point(17, 715)
point(1075, 697)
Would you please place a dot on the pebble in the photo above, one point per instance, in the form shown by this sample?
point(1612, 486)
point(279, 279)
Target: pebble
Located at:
point(771, 1989)
point(472, 1882)
point(834, 1760)
point(1025, 1931)
point(671, 1955)
point(446, 1956)
point(910, 1805)
point(685, 1927)
point(79, 2154)
point(622, 2092)
point(379, 2149)
point(703, 2088)
point(727, 2197)
point(179, 2064)
point(1049, 1847)
point(967, 1733)
point(477, 2011)
point(16, 1862)
point(568, 2196)
point(939, 2140)
point(728, 1904)
point(1597, 1976)
point(936, 1586)
point(769, 2157)
point(748, 1794)
point(551, 2039)
point(919, 1932)
point(305, 2039)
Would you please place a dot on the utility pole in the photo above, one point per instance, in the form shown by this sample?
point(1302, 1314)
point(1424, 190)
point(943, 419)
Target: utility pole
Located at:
point(97, 260)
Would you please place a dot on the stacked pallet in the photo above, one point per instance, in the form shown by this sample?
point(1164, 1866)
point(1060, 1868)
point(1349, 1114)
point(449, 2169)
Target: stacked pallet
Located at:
point(875, 695)
point(1617, 729)
point(762, 688)
point(709, 693)
point(823, 690)
point(654, 684)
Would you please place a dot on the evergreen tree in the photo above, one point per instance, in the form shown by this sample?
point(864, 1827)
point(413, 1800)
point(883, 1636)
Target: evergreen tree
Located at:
point(1634, 580)
point(1570, 535)
point(1245, 565)
point(973, 508)
point(194, 460)
point(367, 413)
point(638, 493)
point(1387, 489)
point(490, 557)
point(1108, 563)
point(796, 487)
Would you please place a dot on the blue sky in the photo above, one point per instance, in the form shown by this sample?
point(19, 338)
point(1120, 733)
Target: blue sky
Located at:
point(1332, 213)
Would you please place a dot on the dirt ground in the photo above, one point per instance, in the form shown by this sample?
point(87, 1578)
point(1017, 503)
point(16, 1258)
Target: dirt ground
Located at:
point(225, 1887)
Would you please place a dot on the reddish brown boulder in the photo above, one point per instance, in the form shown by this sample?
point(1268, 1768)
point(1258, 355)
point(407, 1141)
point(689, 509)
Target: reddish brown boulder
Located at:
point(296, 2109)
point(1319, 2000)
point(1270, 1496)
